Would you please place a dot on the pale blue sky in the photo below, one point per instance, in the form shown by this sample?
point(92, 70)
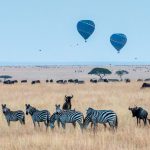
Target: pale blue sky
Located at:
point(29, 25)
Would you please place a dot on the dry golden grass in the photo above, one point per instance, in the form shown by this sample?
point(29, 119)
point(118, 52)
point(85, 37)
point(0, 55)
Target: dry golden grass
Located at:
point(115, 96)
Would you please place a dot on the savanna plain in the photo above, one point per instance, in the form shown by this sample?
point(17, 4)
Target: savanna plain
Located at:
point(114, 96)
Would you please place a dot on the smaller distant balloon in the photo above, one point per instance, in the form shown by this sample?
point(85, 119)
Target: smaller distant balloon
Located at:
point(118, 41)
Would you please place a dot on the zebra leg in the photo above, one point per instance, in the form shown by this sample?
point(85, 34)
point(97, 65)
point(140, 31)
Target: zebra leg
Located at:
point(74, 124)
point(95, 125)
point(46, 124)
point(63, 125)
point(8, 122)
point(34, 124)
point(58, 123)
point(91, 125)
point(39, 124)
point(81, 124)
point(105, 126)
point(21, 122)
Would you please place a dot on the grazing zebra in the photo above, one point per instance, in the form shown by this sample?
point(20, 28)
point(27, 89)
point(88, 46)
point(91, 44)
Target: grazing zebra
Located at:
point(13, 115)
point(101, 116)
point(38, 115)
point(67, 117)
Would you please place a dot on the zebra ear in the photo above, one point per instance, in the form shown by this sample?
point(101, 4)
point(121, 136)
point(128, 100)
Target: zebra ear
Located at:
point(4, 105)
point(26, 105)
point(59, 105)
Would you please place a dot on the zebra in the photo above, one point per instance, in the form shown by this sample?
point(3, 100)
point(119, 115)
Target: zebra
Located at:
point(13, 115)
point(101, 116)
point(67, 117)
point(58, 110)
point(38, 115)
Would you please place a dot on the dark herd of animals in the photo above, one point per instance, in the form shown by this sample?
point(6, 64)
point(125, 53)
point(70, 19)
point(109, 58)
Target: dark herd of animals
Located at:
point(76, 81)
point(66, 115)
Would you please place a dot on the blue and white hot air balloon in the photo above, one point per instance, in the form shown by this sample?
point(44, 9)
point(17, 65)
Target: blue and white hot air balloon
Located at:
point(85, 28)
point(118, 41)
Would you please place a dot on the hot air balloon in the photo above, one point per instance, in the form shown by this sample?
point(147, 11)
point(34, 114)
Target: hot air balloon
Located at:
point(118, 41)
point(85, 28)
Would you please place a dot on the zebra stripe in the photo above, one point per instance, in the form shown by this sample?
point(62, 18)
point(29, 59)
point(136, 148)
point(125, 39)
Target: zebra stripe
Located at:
point(38, 115)
point(13, 115)
point(101, 116)
point(67, 117)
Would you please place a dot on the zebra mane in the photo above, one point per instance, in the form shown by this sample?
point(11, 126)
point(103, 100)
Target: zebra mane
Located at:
point(33, 109)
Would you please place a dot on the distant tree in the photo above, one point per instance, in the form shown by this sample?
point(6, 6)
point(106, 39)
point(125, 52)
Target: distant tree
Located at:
point(101, 72)
point(5, 77)
point(120, 73)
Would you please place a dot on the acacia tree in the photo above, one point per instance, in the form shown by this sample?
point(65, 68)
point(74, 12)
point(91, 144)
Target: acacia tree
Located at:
point(120, 73)
point(5, 77)
point(101, 72)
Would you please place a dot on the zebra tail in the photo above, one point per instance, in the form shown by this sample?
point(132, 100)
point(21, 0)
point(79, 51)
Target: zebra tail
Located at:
point(48, 119)
point(116, 123)
point(23, 120)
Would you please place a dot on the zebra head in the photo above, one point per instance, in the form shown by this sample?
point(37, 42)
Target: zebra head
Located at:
point(58, 109)
point(89, 111)
point(53, 118)
point(87, 119)
point(29, 109)
point(5, 109)
point(133, 110)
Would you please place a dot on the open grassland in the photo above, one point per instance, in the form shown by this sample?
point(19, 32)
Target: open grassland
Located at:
point(115, 96)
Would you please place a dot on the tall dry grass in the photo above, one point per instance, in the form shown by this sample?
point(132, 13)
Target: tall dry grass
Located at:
point(115, 96)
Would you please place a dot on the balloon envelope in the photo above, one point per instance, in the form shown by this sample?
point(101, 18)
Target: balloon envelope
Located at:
point(85, 28)
point(118, 41)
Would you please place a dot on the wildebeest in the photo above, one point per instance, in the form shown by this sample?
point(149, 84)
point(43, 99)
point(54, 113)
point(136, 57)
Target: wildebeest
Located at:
point(60, 81)
point(93, 81)
point(23, 81)
point(139, 80)
point(139, 113)
point(76, 81)
point(145, 85)
point(70, 81)
point(36, 81)
point(47, 81)
point(80, 82)
point(51, 81)
point(15, 81)
point(147, 79)
point(8, 82)
point(113, 80)
point(127, 80)
point(67, 105)
point(103, 80)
